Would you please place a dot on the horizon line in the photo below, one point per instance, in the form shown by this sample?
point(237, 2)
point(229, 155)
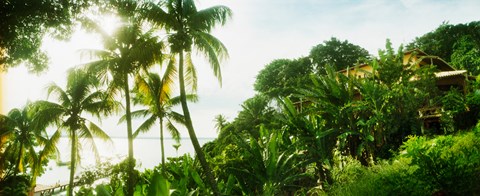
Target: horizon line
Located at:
point(125, 137)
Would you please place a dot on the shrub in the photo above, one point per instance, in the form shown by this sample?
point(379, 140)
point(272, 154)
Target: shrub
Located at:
point(386, 178)
point(450, 163)
point(446, 165)
point(15, 185)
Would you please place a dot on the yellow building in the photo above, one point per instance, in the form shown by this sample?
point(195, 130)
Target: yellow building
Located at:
point(447, 78)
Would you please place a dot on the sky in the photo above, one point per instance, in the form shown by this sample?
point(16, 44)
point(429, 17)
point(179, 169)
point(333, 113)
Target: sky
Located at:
point(258, 33)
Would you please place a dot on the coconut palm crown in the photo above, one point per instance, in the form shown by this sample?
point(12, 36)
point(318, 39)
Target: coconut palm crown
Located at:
point(80, 97)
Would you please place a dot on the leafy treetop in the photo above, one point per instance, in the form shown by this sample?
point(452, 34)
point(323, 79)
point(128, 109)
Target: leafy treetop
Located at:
point(337, 53)
point(24, 24)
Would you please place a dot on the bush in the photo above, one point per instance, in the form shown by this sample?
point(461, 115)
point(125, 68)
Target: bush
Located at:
point(15, 185)
point(386, 178)
point(447, 165)
point(450, 163)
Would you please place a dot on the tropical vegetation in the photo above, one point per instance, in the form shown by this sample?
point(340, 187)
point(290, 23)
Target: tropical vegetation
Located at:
point(309, 130)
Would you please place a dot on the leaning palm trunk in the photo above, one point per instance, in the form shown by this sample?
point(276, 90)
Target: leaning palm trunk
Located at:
point(130, 180)
point(72, 163)
point(191, 131)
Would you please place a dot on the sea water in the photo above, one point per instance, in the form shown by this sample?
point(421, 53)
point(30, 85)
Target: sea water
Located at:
point(147, 152)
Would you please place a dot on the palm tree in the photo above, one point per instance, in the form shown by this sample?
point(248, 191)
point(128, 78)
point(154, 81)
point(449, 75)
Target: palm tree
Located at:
point(155, 92)
point(126, 51)
point(187, 28)
point(6, 132)
point(220, 122)
point(20, 147)
point(331, 114)
point(80, 96)
point(25, 138)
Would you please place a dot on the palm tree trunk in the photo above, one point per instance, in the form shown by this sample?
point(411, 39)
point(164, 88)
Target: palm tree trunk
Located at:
point(19, 160)
point(130, 180)
point(72, 162)
point(191, 131)
point(162, 147)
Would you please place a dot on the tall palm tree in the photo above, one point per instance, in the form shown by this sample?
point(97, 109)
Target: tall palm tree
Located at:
point(155, 92)
point(188, 28)
point(80, 96)
point(125, 52)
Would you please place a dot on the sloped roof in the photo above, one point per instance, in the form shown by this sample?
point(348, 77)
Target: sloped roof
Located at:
point(444, 74)
point(430, 59)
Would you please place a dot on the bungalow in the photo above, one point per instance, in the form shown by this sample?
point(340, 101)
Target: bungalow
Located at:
point(446, 78)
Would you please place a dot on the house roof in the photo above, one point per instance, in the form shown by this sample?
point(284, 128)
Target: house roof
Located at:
point(444, 69)
point(430, 59)
point(444, 74)
point(354, 67)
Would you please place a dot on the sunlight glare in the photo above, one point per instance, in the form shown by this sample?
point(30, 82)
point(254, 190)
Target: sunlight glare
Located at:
point(110, 23)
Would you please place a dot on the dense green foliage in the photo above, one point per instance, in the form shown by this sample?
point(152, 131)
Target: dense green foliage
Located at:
point(338, 54)
point(282, 77)
point(309, 130)
point(447, 165)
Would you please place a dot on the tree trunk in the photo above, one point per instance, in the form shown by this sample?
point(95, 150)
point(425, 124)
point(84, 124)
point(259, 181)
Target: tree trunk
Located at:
point(19, 160)
point(131, 166)
point(162, 147)
point(191, 131)
point(73, 158)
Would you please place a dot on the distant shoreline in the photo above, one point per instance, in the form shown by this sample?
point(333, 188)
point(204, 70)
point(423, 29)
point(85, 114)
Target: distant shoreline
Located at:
point(166, 138)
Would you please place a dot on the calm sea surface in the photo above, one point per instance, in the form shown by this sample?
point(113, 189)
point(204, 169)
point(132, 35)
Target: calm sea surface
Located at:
point(146, 151)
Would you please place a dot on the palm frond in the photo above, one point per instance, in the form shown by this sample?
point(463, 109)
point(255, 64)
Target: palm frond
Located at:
point(97, 132)
point(63, 97)
point(146, 88)
point(80, 84)
point(99, 102)
point(176, 100)
point(155, 14)
point(95, 54)
point(214, 50)
point(136, 114)
point(93, 26)
point(50, 146)
point(86, 134)
point(173, 131)
point(205, 20)
point(46, 113)
point(190, 73)
point(145, 126)
point(168, 79)
point(177, 117)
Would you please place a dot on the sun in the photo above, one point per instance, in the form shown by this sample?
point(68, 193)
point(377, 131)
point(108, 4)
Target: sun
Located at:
point(110, 23)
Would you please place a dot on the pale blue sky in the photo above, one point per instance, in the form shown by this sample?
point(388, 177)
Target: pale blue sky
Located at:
point(261, 31)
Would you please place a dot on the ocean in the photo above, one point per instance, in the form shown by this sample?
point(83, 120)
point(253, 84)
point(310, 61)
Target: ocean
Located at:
point(146, 151)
